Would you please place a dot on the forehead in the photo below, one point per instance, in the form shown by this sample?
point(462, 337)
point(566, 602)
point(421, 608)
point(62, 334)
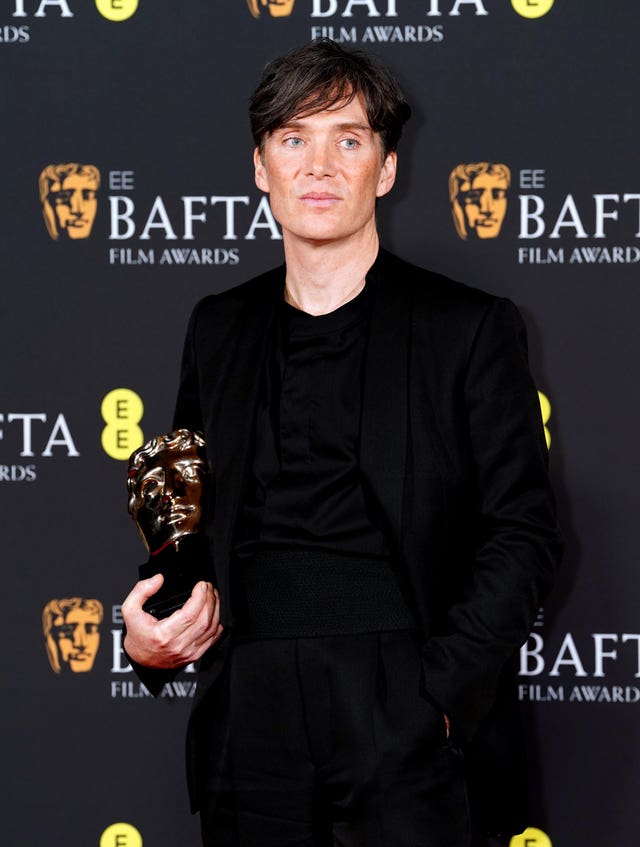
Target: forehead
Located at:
point(81, 616)
point(77, 181)
point(167, 459)
point(485, 180)
point(344, 112)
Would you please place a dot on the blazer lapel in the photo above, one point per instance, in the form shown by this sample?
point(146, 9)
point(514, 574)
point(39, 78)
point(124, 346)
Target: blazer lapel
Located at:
point(236, 414)
point(383, 431)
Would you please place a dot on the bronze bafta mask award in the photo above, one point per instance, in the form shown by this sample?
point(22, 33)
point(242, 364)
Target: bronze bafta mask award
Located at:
point(167, 490)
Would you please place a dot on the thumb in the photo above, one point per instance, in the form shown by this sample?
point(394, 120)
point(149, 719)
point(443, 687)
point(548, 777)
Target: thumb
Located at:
point(141, 592)
point(148, 587)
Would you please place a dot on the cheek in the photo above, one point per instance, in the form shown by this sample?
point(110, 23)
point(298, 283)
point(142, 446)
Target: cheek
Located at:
point(281, 207)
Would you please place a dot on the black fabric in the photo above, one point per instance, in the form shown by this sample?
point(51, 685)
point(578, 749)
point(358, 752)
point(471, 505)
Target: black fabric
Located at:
point(332, 741)
point(305, 490)
point(302, 593)
point(453, 455)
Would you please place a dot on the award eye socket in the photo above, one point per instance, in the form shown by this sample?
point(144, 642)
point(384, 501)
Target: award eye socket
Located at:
point(472, 198)
point(191, 475)
point(62, 198)
point(150, 488)
point(66, 631)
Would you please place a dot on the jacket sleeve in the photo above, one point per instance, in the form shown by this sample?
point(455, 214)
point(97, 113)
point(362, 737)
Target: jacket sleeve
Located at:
point(518, 544)
point(188, 414)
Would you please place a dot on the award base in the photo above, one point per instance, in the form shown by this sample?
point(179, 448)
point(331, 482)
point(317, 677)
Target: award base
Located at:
point(182, 569)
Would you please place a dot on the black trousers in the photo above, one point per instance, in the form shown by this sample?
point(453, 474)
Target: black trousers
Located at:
point(332, 741)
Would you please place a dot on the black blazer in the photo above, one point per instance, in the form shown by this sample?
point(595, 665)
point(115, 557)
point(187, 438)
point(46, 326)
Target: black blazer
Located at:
point(452, 452)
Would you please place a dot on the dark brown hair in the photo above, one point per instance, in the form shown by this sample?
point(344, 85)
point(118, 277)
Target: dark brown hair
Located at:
point(319, 75)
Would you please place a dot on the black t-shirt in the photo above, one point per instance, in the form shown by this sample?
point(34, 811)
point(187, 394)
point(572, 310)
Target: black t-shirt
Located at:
point(305, 489)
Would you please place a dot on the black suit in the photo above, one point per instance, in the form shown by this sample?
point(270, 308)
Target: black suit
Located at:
point(453, 454)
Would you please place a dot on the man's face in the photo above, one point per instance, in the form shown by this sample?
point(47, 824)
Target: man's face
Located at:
point(78, 639)
point(74, 204)
point(323, 173)
point(168, 503)
point(484, 204)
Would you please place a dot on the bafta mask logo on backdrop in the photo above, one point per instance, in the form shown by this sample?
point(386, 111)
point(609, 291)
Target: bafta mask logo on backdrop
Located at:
point(276, 8)
point(71, 630)
point(69, 197)
point(478, 194)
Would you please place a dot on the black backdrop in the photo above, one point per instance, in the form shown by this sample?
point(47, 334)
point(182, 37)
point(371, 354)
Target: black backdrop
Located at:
point(157, 103)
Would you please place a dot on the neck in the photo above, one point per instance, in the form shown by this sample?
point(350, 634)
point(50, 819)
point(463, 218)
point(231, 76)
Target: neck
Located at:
point(323, 277)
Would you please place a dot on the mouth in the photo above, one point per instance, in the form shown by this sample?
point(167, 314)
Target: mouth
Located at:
point(320, 198)
point(178, 514)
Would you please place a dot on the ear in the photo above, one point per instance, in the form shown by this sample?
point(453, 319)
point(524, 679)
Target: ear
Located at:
point(387, 174)
point(260, 171)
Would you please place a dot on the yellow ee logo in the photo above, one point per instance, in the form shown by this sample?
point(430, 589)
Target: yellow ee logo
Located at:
point(121, 835)
point(531, 837)
point(116, 10)
point(545, 409)
point(122, 411)
point(532, 8)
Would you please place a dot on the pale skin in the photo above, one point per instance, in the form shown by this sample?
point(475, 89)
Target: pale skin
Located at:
point(323, 173)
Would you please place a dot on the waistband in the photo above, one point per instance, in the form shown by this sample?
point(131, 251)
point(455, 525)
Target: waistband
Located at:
point(305, 593)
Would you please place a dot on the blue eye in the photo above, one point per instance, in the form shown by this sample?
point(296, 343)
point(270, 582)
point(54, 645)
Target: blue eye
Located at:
point(350, 143)
point(294, 141)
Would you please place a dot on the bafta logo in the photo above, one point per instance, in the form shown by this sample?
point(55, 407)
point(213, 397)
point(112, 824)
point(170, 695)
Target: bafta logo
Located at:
point(478, 194)
point(68, 194)
point(71, 630)
point(276, 8)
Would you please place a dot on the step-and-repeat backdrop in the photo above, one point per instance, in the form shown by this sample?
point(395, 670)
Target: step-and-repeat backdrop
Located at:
point(128, 194)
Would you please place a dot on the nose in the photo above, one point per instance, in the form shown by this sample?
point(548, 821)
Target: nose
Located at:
point(80, 638)
point(320, 160)
point(175, 484)
point(486, 203)
point(76, 203)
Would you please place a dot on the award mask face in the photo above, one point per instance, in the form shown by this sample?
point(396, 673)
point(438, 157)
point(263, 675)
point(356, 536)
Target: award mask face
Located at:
point(166, 488)
point(478, 194)
point(72, 633)
point(69, 199)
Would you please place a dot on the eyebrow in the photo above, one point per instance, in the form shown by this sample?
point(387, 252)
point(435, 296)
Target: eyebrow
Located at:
point(342, 127)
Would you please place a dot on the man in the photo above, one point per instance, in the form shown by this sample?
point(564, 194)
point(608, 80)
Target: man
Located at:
point(478, 194)
point(68, 194)
point(381, 522)
point(71, 629)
